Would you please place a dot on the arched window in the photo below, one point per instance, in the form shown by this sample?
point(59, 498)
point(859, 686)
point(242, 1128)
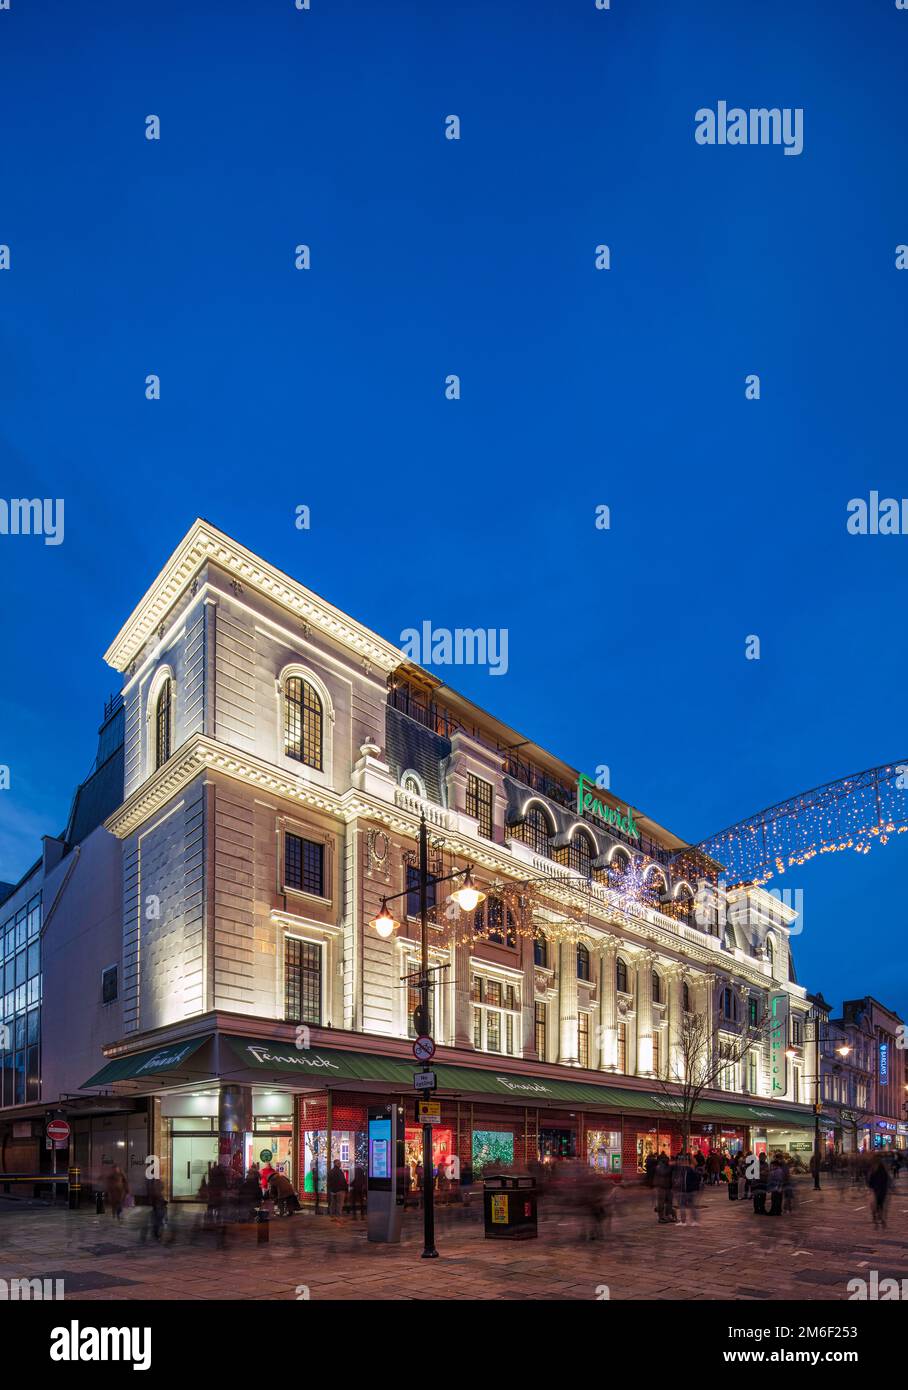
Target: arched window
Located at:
point(540, 951)
point(583, 963)
point(303, 719)
point(534, 831)
point(685, 997)
point(578, 854)
point(657, 989)
point(621, 976)
point(412, 783)
point(163, 723)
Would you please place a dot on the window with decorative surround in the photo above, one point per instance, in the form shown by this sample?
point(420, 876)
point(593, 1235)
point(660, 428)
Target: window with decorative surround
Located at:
point(534, 831)
point(302, 980)
point(163, 724)
point(303, 722)
point(304, 865)
point(496, 1015)
point(479, 803)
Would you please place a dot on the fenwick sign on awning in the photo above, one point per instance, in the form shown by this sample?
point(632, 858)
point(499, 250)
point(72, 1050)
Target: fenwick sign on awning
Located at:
point(587, 801)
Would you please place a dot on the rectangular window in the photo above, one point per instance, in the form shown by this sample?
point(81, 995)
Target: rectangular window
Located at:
point(752, 1073)
point(657, 1058)
point(413, 891)
point(622, 1047)
point(303, 981)
point(540, 1031)
point(583, 1040)
point(109, 984)
point(493, 1032)
point(479, 803)
point(477, 1029)
point(493, 992)
point(476, 989)
point(304, 865)
point(509, 1034)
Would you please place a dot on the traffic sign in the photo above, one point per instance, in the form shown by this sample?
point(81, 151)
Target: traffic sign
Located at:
point(423, 1048)
point(424, 1080)
point(428, 1112)
point(58, 1130)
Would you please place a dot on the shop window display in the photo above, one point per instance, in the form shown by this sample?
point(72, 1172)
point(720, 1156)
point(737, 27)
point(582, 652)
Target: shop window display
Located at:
point(603, 1149)
point(491, 1148)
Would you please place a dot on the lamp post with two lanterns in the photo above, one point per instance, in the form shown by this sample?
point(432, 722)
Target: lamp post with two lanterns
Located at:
point(467, 897)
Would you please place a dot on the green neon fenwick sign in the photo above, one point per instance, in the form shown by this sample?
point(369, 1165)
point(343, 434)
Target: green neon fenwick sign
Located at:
point(588, 801)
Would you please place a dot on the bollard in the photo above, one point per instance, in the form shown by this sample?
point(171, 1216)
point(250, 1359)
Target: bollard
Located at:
point(263, 1228)
point(75, 1187)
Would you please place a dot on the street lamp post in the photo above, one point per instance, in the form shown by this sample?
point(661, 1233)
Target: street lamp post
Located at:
point(468, 897)
point(843, 1051)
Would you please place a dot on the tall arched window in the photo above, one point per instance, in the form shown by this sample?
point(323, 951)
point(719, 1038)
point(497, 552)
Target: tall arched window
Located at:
point(163, 724)
point(657, 989)
point(540, 951)
point(303, 719)
point(534, 831)
point(771, 954)
point(621, 976)
point(583, 963)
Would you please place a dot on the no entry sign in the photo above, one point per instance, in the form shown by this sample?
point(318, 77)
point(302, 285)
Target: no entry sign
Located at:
point(58, 1130)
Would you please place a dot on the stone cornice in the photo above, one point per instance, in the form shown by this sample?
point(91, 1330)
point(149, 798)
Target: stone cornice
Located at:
point(204, 542)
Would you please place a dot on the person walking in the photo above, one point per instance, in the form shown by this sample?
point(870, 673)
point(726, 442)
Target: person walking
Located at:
point(878, 1181)
point(788, 1189)
point(358, 1191)
point(154, 1190)
point(774, 1186)
point(337, 1189)
point(313, 1173)
point(116, 1190)
point(663, 1184)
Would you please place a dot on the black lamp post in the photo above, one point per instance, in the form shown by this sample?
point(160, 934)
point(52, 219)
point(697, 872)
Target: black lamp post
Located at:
point(843, 1051)
point(468, 897)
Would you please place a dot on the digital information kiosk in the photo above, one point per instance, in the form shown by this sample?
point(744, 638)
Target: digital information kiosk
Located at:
point(386, 1167)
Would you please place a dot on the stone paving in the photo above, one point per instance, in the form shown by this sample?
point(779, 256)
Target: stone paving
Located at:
point(730, 1253)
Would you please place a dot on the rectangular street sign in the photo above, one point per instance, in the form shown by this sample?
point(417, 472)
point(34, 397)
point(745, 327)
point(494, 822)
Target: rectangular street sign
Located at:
point(424, 1080)
point(428, 1112)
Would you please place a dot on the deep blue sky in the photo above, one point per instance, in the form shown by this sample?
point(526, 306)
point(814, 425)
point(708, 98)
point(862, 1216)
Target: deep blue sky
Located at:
point(282, 387)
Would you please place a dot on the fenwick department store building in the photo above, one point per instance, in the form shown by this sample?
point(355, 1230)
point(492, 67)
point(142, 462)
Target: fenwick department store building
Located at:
point(278, 757)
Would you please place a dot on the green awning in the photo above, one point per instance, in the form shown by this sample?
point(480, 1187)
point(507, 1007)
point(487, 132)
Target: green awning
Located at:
point(324, 1066)
point(137, 1065)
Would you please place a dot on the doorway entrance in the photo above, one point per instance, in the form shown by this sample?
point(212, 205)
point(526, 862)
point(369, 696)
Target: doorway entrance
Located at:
point(192, 1153)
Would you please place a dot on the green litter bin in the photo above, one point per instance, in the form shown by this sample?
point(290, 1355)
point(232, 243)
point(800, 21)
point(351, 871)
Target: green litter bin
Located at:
point(509, 1205)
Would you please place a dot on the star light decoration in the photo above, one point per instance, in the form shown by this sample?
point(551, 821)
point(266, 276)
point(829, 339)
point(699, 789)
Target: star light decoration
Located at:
point(547, 905)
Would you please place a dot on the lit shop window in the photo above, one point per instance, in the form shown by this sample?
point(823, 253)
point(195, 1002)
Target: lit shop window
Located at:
point(479, 803)
point(496, 1015)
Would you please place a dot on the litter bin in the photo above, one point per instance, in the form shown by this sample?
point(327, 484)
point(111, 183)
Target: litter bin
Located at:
point(509, 1204)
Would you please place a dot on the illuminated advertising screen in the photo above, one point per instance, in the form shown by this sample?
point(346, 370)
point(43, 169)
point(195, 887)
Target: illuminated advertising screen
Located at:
point(380, 1148)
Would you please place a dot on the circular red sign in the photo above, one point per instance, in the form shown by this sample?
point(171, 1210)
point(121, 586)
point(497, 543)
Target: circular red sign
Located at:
point(423, 1048)
point(58, 1129)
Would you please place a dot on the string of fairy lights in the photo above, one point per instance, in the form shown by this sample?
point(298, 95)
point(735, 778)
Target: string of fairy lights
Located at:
point(854, 813)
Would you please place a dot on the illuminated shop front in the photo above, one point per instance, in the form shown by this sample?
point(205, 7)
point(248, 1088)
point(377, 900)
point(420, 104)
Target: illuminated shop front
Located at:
point(194, 1145)
point(442, 1153)
point(603, 1149)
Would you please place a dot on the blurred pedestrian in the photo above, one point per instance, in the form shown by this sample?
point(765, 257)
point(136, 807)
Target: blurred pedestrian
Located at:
point(337, 1190)
point(358, 1191)
point(878, 1181)
point(116, 1189)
